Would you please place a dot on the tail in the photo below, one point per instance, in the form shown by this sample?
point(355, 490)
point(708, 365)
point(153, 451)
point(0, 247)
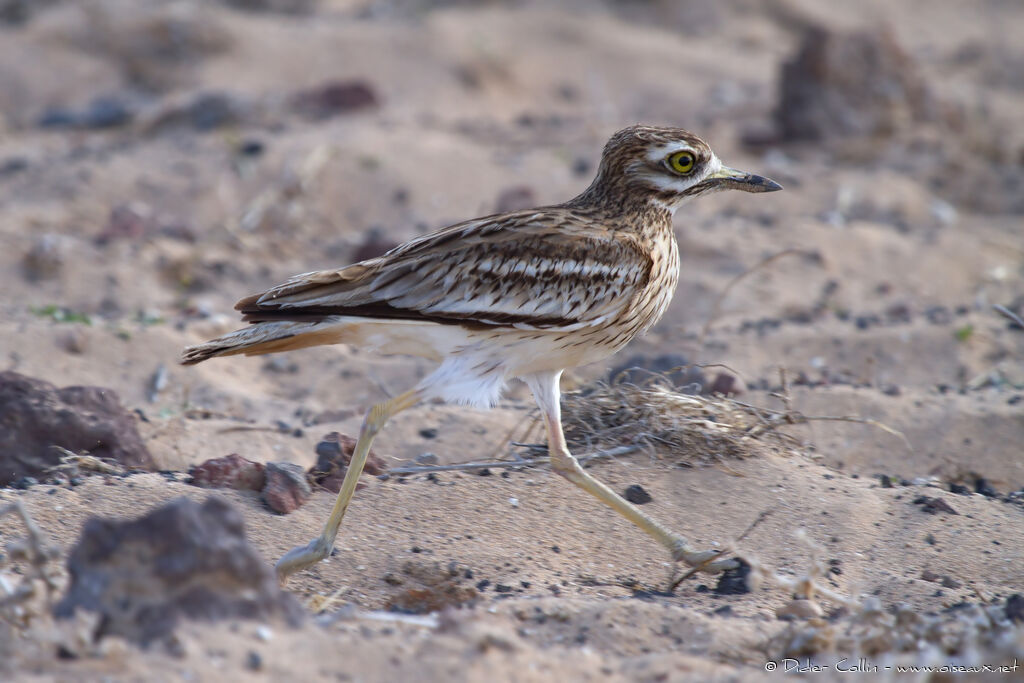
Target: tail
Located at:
point(260, 338)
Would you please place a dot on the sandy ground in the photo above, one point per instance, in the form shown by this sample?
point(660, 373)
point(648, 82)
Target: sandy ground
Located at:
point(475, 101)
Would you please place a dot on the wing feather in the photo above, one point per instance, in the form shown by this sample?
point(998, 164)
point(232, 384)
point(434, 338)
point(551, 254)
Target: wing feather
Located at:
point(529, 270)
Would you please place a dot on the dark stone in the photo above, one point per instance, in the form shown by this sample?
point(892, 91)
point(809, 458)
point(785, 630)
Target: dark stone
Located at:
point(960, 489)
point(286, 489)
point(35, 416)
point(251, 148)
point(428, 433)
point(860, 84)
point(181, 561)
point(1015, 608)
point(637, 495)
point(230, 472)
point(934, 506)
point(106, 112)
point(333, 455)
point(725, 384)
point(13, 166)
point(938, 315)
point(734, 581)
point(333, 98)
point(213, 110)
point(17, 12)
point(274, 6)
point(126, 223)
point(982, 486)
point(57, 117)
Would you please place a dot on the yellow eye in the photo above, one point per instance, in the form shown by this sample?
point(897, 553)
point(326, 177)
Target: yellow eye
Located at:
point(681, 162)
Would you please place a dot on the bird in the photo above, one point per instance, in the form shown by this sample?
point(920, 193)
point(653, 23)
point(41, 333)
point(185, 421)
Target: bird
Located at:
point(521, 295)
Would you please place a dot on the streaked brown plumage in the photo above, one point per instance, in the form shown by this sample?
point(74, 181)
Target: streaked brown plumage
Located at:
point(524, 294)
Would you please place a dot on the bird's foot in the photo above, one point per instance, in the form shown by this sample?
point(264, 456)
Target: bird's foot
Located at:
point(302, 557)
point(708, 561)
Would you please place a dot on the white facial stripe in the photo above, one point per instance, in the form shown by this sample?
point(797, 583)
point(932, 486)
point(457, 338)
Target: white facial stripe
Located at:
point(667, 182)
point(658, 154)
point(714, 165)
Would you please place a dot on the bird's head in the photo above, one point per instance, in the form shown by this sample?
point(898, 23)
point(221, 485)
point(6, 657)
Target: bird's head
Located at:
point(666, 166)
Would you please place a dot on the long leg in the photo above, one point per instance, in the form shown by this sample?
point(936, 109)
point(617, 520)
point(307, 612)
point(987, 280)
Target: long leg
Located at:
point(545, 390)
point(320, 547)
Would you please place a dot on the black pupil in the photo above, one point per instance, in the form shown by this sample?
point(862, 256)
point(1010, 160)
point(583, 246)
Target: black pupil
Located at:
point(684, 160)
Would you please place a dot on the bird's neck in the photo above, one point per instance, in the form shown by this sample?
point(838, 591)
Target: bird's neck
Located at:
point(633, 210)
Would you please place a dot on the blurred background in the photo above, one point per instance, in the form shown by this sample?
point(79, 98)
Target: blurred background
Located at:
point(160, 160)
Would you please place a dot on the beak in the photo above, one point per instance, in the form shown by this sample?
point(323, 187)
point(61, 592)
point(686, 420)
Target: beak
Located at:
point(731, 179)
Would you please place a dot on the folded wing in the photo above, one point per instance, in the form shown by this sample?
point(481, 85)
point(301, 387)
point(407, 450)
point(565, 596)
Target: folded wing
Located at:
point(513, 272)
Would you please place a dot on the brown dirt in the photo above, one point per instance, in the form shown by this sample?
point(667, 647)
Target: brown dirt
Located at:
point(473, 101)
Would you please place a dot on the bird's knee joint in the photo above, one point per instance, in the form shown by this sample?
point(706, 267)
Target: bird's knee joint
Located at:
point(566, 465)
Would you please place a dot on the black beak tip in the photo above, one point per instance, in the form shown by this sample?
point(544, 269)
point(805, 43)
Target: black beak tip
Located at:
point(765, 184)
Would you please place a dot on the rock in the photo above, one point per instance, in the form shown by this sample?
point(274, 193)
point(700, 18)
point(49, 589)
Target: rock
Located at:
point(850, 85)
point(637, 495)
point(799, 609)
point(35, 416)
point(426, 459)
point(334, 98)
point(230, 472)
point(214, 110)
point(734, 581)
point(181, 561)
point(934, 506)
point(45, 259)
point(106, 111)
point(278, 6)
point(1015, 608)
point(57, 117)
point(726, 384)
point(73, 341)
point(18, 12)
point(642, 369)
point(985, 488)
point(287, 488)
point(333, 454)
point(515, 199)
point(203, 112)
point(127, 223)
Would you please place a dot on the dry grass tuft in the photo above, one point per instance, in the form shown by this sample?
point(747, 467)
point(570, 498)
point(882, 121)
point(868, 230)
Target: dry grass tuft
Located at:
point(653, 416)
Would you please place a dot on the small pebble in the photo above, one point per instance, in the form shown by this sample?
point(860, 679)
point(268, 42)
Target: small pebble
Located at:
point(253, 661)
point(514, 502)
point(264, 633)
point(426, 459)
point(637, 495)
point(799, 609)
point(986, 489)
